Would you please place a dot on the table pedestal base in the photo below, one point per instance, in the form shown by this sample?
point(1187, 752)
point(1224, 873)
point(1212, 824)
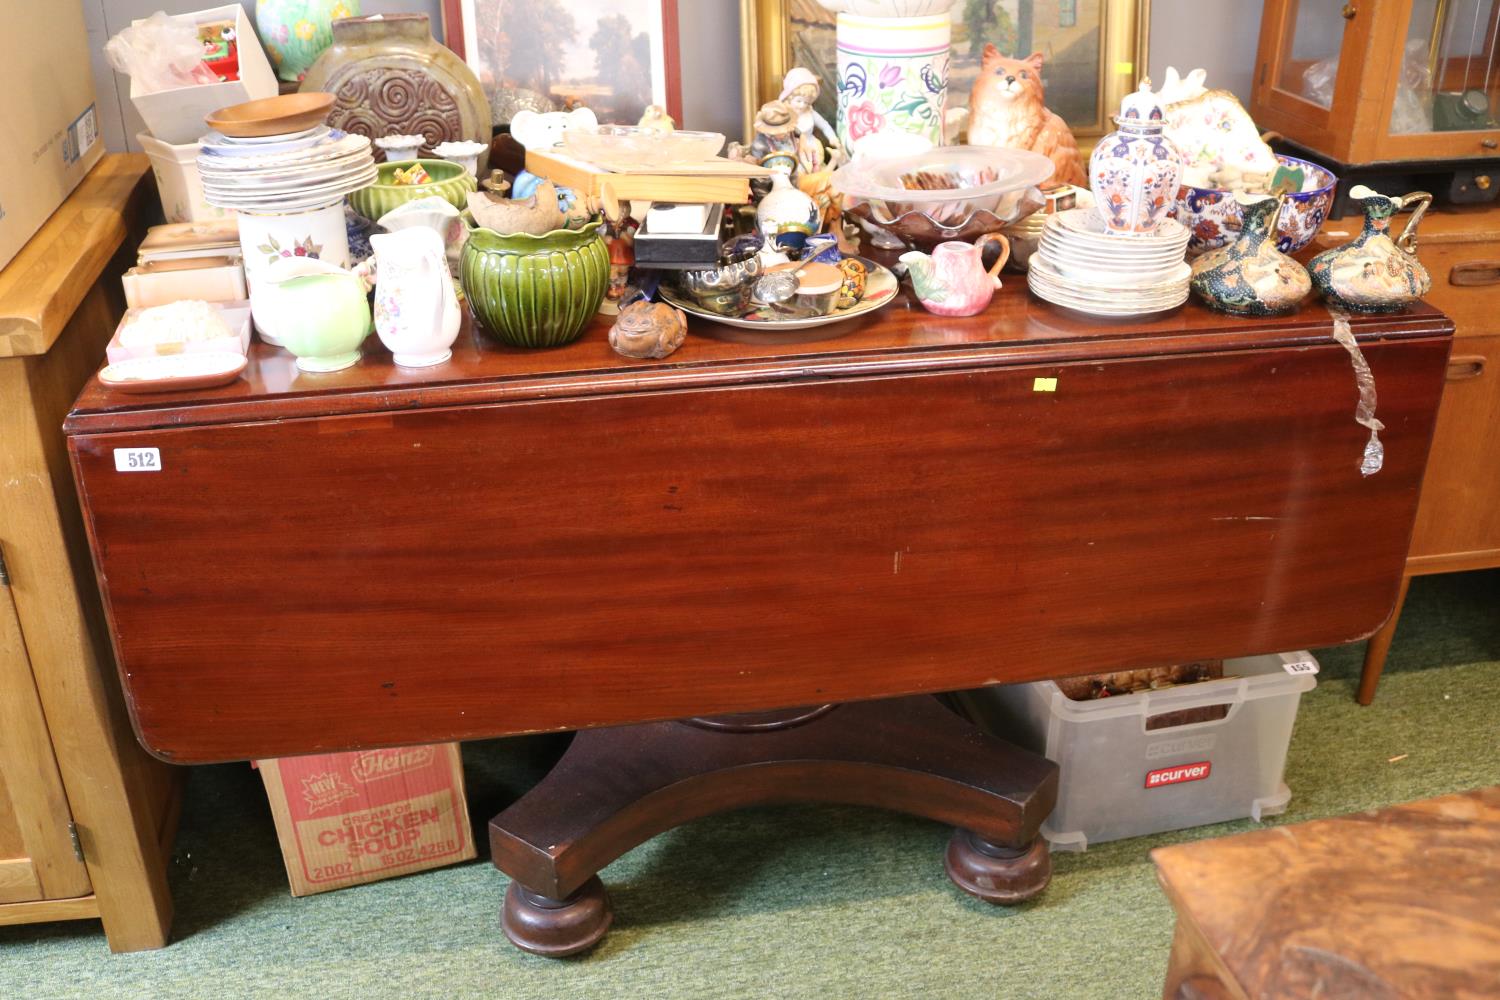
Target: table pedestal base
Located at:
point(617, 788)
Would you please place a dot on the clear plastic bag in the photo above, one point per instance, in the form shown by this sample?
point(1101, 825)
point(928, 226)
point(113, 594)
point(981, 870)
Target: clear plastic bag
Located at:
point(160, 53)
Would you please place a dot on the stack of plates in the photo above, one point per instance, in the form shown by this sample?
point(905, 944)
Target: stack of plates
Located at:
point(279, 174)
point(1081, 265)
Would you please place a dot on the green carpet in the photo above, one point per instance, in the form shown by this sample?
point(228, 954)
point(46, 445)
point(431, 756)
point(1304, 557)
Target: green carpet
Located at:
point(791, 902)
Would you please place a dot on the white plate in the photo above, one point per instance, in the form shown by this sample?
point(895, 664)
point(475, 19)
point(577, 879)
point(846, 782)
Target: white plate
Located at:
point(360, 173)
point(1115, 310)
point(1104, 281)
point(1085, 226)
point(329, 189)
point(320, 152)
point(220, 139)
point(172, 372)
point(880, 288)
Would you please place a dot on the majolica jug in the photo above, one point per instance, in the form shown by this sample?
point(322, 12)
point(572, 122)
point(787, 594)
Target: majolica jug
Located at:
point(1375, 273)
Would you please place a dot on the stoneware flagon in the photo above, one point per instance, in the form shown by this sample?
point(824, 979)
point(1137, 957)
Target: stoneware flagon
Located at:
point(1250, 277)
point(316, 310)
point(534, 291)
point(953, 281)
point(391, 76)
point(1375, 273)
point(1134, 171)
point(416, 309)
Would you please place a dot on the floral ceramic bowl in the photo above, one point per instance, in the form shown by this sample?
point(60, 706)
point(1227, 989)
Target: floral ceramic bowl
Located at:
point(1214, 215)
point(449, 181)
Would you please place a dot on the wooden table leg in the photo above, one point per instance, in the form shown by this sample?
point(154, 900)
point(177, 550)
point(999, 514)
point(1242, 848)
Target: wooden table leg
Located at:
point(616, 788)
point(1378, 646)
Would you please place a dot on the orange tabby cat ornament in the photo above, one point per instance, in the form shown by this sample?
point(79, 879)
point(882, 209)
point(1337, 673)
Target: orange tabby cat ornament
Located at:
point(1006, 109)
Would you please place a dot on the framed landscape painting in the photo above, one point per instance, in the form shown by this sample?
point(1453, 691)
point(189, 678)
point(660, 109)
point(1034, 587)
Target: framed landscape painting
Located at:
point(1094, 49)
point(614, 56)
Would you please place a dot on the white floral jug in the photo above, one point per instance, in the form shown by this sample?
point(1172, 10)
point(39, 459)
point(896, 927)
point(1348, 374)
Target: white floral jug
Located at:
point(416, 309)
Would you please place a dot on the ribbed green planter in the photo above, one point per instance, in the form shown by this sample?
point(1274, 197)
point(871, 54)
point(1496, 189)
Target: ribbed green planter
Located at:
point(534, 291)
point(450, 182)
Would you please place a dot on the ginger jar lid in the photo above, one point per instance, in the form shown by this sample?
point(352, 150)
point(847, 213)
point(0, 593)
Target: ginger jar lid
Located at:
point(1141, 108)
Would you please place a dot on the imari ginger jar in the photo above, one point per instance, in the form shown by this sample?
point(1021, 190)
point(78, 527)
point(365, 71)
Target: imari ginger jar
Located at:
point(1134, 170)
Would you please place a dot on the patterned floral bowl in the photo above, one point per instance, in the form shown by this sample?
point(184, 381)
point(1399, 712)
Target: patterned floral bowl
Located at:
point(1214, 215)
point(449, 181)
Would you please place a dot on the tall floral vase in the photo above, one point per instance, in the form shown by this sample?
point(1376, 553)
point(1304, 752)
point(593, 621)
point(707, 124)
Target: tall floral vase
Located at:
point(893, 76)
point(295, 32)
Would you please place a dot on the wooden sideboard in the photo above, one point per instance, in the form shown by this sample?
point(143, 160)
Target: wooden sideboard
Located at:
point(86, 816)
point(1458, 520)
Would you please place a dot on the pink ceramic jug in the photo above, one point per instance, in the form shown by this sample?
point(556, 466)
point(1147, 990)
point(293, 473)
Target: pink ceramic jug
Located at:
point(953, 281)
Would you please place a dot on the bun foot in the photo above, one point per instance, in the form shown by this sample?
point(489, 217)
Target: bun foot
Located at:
point(997, 874)
point(556, 928)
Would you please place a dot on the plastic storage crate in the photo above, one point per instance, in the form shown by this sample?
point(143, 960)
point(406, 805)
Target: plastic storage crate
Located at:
point(1119, 779)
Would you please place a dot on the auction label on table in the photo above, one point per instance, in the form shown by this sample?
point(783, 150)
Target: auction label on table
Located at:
point(1300, 666)
point(137, 459)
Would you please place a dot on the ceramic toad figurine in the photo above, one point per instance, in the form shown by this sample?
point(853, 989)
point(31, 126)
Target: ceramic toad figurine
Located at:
point(1006, 108)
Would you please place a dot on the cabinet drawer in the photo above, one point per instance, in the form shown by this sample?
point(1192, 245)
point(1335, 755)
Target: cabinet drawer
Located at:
point(1466, 284)
point(1460, 506)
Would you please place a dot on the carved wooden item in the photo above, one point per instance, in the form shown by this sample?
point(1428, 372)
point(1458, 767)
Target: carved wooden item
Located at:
point(1398, 902)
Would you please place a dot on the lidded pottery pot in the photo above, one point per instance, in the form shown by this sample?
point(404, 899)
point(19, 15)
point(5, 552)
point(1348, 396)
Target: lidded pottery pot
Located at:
point(1134, 170)
point(390, 77)
point(1375, 273)
point(1250, 277)
point(534, 291)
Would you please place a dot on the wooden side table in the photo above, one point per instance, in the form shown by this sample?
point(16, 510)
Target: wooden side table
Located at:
point(85, 813)
point(1400, 902)
point(1458, 520)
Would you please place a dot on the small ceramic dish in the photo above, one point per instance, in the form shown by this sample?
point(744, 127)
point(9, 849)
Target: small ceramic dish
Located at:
point(449, 181)
point(401, 147)
point(282, 115)
point(1213, 215)
point(637, 145)
point(173, 372)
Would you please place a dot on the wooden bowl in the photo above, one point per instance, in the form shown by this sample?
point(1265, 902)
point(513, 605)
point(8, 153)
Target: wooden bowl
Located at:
point(281, 115)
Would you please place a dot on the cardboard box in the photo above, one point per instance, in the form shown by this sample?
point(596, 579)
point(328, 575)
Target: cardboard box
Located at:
point(51, 125)
point(349, 818)
point(176, 116)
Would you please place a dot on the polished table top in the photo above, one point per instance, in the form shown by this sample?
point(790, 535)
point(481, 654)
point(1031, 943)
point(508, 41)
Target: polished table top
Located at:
point(537, 540)
point(1017, 328)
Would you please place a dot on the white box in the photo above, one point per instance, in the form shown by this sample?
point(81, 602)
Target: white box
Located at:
point(178, 182)
point(1119, 779)
point(176, 116)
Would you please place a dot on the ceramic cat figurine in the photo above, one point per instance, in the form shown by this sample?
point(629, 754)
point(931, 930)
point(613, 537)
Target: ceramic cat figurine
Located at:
point(1006, 108)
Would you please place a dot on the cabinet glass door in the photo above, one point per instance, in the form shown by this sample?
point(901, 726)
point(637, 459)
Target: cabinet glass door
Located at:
point(1447, 80)
point(1309, 57)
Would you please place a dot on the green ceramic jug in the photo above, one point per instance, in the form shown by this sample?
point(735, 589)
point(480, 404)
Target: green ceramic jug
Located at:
point(534, 291)
point(318, 311)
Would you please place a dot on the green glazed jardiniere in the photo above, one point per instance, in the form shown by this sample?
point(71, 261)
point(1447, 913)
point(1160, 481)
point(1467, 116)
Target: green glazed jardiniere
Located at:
point(450, 181)
point(534, 291)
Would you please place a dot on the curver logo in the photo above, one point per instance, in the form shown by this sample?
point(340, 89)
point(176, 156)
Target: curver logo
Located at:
point(1176, 775)
point(378, 764)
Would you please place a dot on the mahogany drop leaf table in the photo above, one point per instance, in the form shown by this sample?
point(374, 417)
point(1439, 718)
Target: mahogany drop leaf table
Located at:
point(517, 542)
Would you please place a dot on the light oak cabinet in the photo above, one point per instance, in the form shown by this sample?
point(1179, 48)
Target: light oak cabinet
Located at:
point(86, 816)
point(1458, 521)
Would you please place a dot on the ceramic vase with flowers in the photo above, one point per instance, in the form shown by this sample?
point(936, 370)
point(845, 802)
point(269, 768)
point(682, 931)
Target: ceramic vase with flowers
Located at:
point(295, 32)
point(1134, 171)
point(893, 75)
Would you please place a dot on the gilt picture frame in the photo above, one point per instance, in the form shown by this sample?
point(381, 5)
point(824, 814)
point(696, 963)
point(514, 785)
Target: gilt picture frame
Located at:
point(614, 56)
point(1096, 51)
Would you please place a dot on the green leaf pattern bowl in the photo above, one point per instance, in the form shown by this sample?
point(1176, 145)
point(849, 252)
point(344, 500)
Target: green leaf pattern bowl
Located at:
point(450, 181)
point(534, 291)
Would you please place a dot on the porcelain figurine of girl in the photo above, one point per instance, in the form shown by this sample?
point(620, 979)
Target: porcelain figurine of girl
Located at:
point(799, 90)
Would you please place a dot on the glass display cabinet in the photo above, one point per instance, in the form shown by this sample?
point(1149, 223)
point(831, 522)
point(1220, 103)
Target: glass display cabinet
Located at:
point(1384, 82)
